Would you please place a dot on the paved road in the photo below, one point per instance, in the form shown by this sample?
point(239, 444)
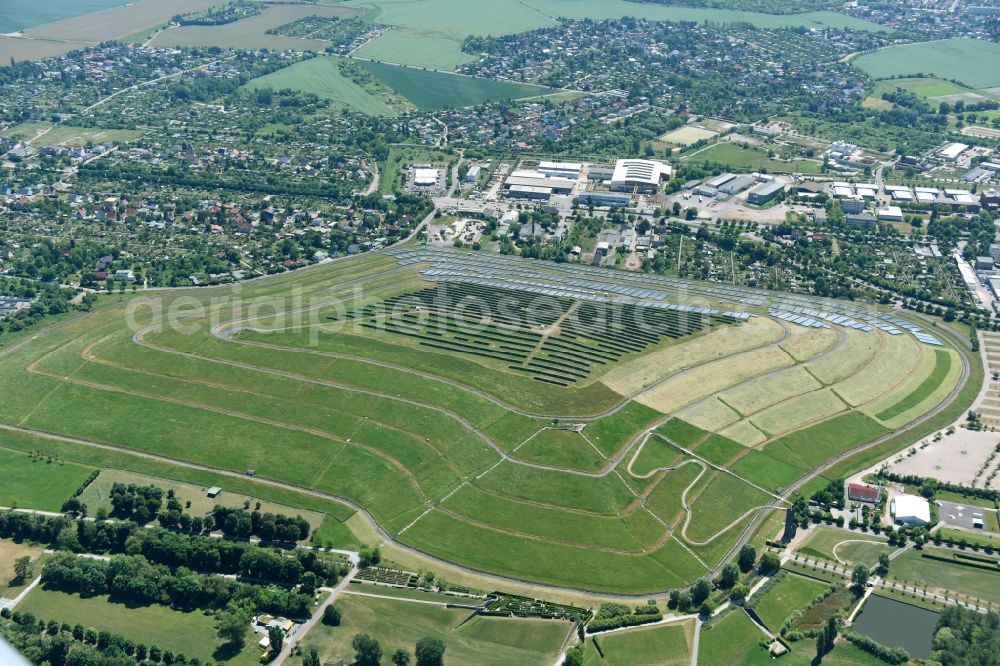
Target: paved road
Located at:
point(293, 640)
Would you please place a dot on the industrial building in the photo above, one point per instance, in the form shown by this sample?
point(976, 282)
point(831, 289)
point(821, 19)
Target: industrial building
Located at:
point(984, 263)
point(569, 170)
point(472, 175)
point(911, 510)
point(763, 194)
point(605, 199)
point(852, 205)
point(720, 180)
point(529, 192)
point(951, 151)
point(890, 214)
point(535, 179)
point(866, 191)
point(864, 220)
point(642, 176)
point(737, 184)
point(425, 177)
point(600, 173)
point(990, 199)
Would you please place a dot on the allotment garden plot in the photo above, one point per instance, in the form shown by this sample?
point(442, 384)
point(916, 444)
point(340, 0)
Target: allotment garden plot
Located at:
point(552, 423)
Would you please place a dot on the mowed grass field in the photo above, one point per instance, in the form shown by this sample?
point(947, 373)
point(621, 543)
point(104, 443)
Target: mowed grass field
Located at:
point(786, 596)
point(847, 548)
point(740, 157)
point(974, 62)
point(397, 624)
point(36, 482)
point(191, 634)
point(430, 90)
point(945, 577)
point(668, 645)
point(322, 76)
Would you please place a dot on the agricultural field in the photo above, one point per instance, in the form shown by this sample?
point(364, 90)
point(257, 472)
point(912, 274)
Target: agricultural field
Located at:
point(21, 14)
point(36, 481)
point(397, 623)
point(669, 645)
point(429, 90)
point(495, 444)
point(191, 634)
point(115, 22)
point(251, 32)
point(407, 47)
point(322, 76)
point(974, 62)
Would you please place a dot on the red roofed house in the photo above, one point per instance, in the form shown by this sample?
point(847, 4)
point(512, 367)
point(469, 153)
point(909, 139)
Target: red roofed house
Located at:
point(860, 492)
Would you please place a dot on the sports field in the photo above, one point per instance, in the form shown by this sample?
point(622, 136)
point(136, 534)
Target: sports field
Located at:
point(686, 136)
point(494, 444)
point(322, 76)
point(974, 62)
point(437, 90)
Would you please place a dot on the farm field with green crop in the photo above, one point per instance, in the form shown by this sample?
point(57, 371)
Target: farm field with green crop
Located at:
point(437, 90)
point(407, 47)
point(323, 77)
point(974, 62)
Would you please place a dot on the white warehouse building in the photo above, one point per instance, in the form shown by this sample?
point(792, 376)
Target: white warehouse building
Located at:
point(911, 510)
point(569, 170)
point(642, 176)
point(423, 177)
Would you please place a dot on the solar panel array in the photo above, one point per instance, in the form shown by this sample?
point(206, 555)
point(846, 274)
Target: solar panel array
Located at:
point(590, 283)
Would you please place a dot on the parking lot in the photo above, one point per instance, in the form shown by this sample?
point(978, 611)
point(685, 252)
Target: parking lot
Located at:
point(963, 515)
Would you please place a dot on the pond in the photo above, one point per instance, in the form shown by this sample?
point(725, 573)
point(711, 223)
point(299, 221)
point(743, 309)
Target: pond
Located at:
point(896, 624)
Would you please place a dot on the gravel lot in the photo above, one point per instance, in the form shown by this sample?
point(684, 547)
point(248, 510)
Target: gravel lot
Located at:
point(956, 458)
